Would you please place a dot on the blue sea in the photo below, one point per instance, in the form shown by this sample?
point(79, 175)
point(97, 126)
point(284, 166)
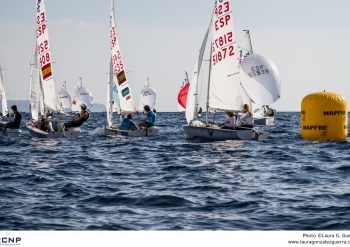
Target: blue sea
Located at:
point(169, 182)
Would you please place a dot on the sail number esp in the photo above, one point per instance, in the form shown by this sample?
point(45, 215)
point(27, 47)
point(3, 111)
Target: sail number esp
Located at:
point(222, 46)
point(258, 70)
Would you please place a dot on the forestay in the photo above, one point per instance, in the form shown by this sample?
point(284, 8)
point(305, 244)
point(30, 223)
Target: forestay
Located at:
point(225, 89)
point(34, 85)
point(123, 87)
point(260, 79)
point(44, 54)
point(3, 98)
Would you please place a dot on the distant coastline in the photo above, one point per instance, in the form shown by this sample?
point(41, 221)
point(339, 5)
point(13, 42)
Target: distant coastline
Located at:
point(23, 106)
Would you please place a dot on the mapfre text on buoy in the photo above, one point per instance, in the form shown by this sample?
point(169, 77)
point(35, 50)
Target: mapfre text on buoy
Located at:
point(324, 117)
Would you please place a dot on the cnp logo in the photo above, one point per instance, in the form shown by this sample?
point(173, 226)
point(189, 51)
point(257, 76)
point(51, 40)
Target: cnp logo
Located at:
point(9, 240)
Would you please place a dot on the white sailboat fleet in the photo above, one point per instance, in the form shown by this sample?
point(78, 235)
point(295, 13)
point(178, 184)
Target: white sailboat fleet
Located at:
point(225, 92)
point(42, 84)
point(117, 77)
point(260, 116)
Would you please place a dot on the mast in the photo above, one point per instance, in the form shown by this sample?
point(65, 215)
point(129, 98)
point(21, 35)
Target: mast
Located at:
point(147, 82)
point(206, 117)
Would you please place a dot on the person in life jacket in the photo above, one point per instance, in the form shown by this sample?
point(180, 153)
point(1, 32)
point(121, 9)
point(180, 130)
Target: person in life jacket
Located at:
point(230, 121)
point(247, 119)
point(128, 124)
point(79, 119)
point(150, 120)
point(268, 111)
point(16, 121)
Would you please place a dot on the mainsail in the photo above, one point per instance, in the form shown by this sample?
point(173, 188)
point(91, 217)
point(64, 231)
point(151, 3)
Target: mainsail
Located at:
point(123, 87)
point(225, 92)
point(44, 53)
point(3, 98)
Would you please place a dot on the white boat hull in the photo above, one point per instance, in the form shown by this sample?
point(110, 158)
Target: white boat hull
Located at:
point(113, 130)
point(73, 132)
point(215, 133)
point(264, 121)
point(11, 133)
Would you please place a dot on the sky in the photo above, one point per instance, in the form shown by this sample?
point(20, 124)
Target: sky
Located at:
point(308, 40)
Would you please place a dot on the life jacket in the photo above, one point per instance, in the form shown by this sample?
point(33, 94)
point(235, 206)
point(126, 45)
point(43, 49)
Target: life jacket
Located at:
point(83, 120)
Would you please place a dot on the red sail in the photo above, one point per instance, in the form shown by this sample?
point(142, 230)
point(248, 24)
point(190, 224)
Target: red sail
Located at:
point(182, 97)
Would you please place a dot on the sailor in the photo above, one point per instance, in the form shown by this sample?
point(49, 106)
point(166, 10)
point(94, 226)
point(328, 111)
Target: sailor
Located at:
point(230, 121)
point(150, 119)
point(128, 124)
point(200, 110)
point(268, 111)
point(80, 118)
point(16, 121)
point(247, 119)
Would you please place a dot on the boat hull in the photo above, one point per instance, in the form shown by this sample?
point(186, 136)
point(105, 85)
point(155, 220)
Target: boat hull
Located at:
point(11, 133)
point(215, 133)
point(152, 131)
point(73, 132)
point(264, 121)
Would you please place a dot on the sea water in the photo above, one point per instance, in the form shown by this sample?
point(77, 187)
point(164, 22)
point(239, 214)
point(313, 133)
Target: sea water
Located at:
point(168, 182)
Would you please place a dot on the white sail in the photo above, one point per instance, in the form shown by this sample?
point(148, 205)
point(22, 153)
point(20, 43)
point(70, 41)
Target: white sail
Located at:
point(245, 47)
point(192, 95)
point(84, 96)
point(260, 79)
point(3, 98)
point(225, 90)
point(123, 87)
point(64, 86)
point(65, 100)
point(110, 101)
point(34, 85)
point(45, 62)
point(147, 97)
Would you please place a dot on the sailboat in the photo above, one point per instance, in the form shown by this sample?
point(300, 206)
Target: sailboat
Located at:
point(225, 92)
point(147, 97)
point(260, 118)
point(81, 95)
point(117, 77)
point(64, 99)
point(182, 95)
point(4, 110)
point(42, 84)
